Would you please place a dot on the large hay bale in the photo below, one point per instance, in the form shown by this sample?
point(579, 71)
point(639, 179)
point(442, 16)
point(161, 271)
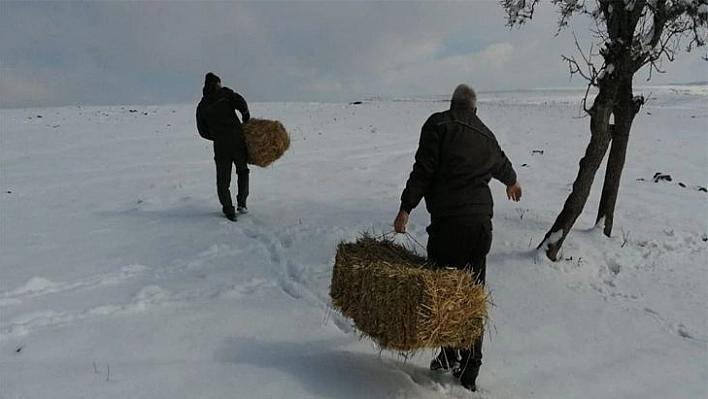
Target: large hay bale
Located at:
point(399, 301)
point(266, 140)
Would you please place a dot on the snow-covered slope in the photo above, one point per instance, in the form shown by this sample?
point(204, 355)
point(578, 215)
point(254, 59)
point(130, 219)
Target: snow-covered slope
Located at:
point(119, 277)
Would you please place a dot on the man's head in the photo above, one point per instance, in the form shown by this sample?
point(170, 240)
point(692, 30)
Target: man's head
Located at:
point(211, 79)
point(212, 84)
point(463, 97)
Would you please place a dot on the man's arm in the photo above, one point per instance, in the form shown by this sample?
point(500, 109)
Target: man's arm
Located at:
point(239, 103)
point(504, 172)
point(502, 169)
point(426, 160)
point(202, 127)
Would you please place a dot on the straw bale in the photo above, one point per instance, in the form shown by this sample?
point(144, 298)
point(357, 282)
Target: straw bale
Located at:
point(401, 302)
point(266, 140)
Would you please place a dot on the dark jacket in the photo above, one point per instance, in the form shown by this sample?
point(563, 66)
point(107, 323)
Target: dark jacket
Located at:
point(217, 120)
point(457, 157)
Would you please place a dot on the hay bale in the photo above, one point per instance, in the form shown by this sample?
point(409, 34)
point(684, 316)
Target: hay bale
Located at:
point(395, 298)
point(266, 140)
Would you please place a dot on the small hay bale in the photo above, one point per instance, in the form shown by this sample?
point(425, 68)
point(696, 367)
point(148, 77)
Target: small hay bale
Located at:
point(395, 298)
point(266, 140)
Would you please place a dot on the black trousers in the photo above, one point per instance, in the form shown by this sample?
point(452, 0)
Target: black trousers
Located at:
point(463, 243)
point(225, 159)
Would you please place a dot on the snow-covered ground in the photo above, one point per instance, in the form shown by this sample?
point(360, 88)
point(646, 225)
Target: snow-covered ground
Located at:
point(119, 277)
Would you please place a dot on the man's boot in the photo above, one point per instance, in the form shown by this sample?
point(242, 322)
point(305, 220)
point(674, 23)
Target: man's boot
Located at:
point(243, 188)
point(470, 361)
point(447, 359)
point(229, 212)
point(468, 377)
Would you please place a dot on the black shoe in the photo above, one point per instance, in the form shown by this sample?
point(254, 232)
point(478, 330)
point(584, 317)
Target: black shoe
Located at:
point(467, 376)
point(448, 359)
point(231, 216)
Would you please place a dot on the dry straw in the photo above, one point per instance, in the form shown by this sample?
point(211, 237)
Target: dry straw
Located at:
point(395, 298)
point(266, 141)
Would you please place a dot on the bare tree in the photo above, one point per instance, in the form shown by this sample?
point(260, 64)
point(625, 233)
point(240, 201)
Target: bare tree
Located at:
point(631, 34)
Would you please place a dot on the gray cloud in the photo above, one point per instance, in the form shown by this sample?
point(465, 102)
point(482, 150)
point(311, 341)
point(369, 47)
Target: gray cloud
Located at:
point(62, 53)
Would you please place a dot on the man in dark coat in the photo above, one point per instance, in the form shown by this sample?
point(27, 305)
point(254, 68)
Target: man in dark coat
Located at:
point(217, 121)
point(457, 157)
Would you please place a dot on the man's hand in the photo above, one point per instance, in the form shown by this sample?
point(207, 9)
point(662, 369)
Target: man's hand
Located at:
point(514, 192)
point(399, 225)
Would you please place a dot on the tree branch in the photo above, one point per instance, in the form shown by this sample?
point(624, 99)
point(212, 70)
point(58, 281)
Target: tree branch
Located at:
point(631, 33)
point(518, 11)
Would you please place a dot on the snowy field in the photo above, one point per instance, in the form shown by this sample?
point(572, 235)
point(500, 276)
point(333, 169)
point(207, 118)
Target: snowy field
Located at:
point(120, 278)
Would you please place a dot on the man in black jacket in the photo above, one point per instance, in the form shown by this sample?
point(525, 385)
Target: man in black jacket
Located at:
point(457, 157)
point(217, 121)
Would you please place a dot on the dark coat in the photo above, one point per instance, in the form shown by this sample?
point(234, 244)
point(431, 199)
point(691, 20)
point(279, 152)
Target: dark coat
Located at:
point(457, 157)
point(217, 120)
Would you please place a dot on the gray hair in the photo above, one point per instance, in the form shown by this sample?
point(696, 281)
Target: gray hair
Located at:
point(464, 97)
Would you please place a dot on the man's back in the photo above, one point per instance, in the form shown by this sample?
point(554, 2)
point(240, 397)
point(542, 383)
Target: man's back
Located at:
point(456, 158)
point(217, 112)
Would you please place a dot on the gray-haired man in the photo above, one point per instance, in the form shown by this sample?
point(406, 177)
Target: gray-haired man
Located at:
point(457, 157)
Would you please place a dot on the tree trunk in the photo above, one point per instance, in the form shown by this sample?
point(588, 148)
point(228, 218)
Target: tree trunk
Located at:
point(599, 141)
point(624, 113)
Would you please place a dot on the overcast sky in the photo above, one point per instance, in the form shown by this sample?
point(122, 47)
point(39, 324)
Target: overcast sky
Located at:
point(68, 53)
